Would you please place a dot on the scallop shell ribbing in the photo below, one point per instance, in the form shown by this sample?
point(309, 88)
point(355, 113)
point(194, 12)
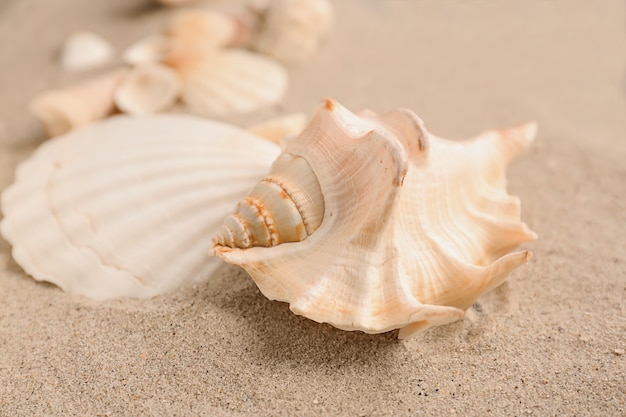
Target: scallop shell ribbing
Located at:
point(414, 228)
point(126, 207)
point(232, 82)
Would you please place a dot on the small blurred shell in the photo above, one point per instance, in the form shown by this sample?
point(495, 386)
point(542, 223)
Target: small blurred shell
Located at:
point(147, 88)
point(62, 110)
point(155, 48)
point(232, 82)
point(126, 207)
point(190, 35)
point(202, 30)
point(177, 2)
point(275, 130)
point(85, 50)
point(294, 29)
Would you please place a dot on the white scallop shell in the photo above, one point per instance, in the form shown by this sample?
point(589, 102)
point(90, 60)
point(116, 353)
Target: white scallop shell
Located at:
point(232, 81)
point(371, 223)
point(126, 207)
point(85, 50)
point(148, 88)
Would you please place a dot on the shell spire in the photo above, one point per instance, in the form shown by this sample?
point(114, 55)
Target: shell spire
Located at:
point(285, 206)
point(398, 229)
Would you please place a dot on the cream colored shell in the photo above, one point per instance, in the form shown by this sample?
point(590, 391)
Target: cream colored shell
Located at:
point(85, 50)
point(126, 207)
point(216, 82)
point(232, 81)
point(410, 229)
point(292, 30)
point(200, 30)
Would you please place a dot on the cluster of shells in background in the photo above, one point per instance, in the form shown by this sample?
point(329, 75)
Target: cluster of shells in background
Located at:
point(367, 222)
point(216, 64)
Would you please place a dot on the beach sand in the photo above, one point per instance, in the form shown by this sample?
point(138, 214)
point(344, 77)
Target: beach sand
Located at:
point(549, 342)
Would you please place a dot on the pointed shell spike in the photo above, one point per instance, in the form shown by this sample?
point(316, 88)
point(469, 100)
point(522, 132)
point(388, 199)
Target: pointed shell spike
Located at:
point(517, 139)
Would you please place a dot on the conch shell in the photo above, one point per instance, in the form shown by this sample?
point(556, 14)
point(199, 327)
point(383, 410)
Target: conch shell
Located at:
point(371, 223)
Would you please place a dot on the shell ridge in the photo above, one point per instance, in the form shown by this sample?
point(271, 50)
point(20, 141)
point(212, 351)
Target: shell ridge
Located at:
point(408, 308)
point(475, 275)
point(268, 220)
point(296, 203)
point(56, 218)
point(411, 130)
point(192, 209)
point(260, 215)
point(113, 217)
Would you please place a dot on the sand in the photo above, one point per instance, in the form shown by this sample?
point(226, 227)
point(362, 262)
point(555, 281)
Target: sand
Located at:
point(546, 343)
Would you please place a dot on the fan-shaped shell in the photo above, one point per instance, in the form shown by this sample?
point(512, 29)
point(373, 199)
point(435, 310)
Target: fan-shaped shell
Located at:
point(413, 228)
point(126, 207)
point(232, 81)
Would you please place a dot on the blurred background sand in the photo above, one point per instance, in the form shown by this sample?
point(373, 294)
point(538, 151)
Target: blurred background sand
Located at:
point(548, 342)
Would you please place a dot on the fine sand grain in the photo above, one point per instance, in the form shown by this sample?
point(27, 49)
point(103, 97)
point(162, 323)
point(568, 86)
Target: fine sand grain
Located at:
point(549, 342)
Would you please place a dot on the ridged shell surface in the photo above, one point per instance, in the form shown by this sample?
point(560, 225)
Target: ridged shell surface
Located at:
point(126, 207)
point(232, 82)
point(413, 228)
